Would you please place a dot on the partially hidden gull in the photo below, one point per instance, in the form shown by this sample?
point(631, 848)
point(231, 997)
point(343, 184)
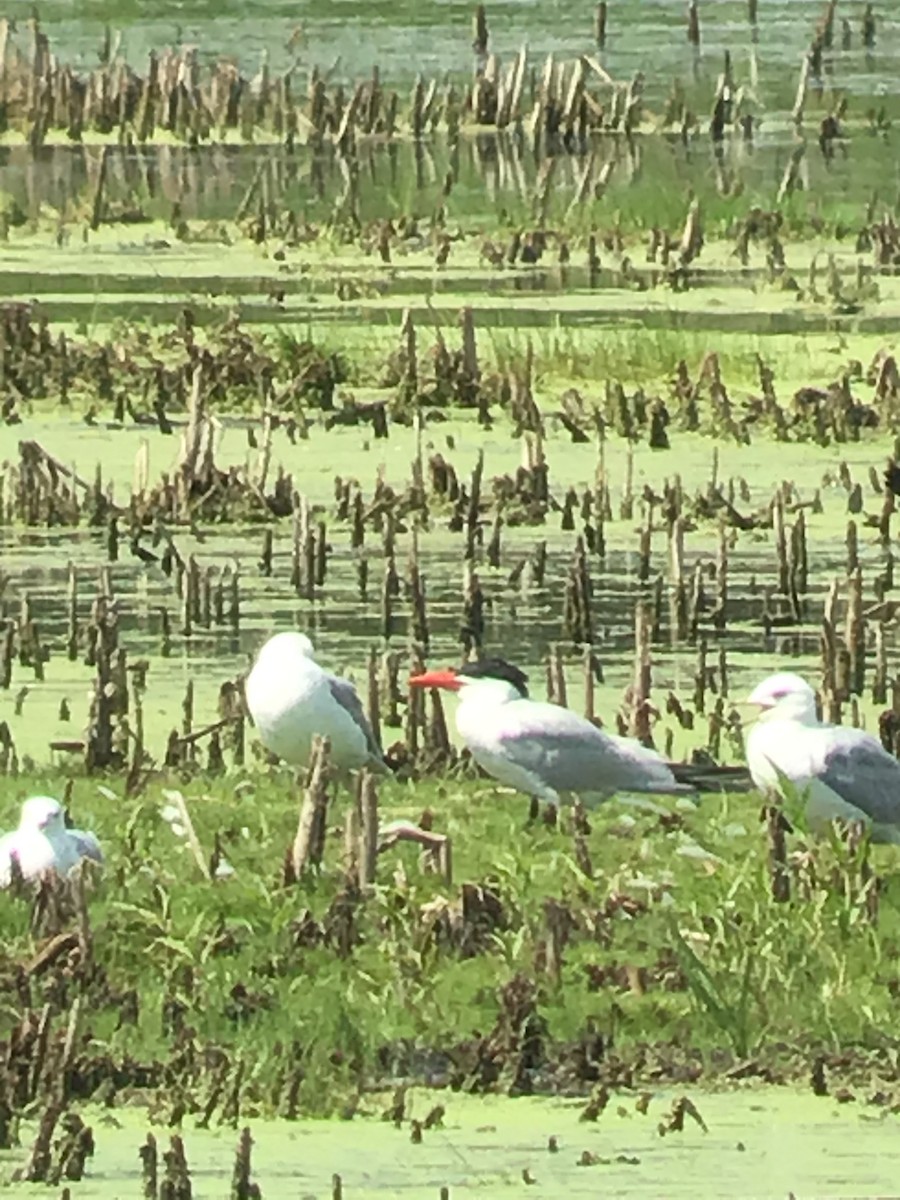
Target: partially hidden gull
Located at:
point(542, 749)
point(42, 842)
point(292, 700)
point(848, 773)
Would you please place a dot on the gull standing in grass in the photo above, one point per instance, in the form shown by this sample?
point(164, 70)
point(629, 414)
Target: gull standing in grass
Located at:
point(542, 749)
point(847, 772)
point(292, 699)
point(43, 843)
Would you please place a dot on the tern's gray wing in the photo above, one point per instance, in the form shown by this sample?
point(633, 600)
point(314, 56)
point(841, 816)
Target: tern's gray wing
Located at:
point(87, 844)
point(862, 773)
point(572, 755)
point(344, 693)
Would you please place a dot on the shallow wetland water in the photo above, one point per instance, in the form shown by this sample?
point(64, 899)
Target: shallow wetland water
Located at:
point(760, 1142)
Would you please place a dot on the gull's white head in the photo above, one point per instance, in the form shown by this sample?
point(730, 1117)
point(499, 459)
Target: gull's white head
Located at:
point(785, 696)
point(42, 813)
point(285, 649)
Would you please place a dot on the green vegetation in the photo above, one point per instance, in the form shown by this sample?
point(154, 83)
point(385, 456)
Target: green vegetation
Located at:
point(650, 948)
point(615, 356)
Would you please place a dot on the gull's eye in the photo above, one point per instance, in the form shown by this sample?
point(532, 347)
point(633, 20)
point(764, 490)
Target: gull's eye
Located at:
point(780, 694)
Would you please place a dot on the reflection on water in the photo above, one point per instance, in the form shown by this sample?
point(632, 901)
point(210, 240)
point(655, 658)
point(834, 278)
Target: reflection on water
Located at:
point(148, 263)
point(495, 179)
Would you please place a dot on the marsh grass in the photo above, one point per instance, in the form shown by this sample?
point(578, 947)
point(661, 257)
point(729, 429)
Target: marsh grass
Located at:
point(646, 357)
point(586, 357)
point(676, 951)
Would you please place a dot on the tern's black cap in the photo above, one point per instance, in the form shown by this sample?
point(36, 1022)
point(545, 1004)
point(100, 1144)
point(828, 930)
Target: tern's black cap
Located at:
point(497, 668)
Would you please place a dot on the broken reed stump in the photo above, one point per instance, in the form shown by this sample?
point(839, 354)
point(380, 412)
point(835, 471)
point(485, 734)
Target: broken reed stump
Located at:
point(781, 554)
point(149, 1157)
point(373, 694)
point(439, 750)
point(600, 15)
point(389, 686)
point(107, 733)
point(693, 24)
point(72, 637)
point(473, 509)
point(855, 634)
point(416, 591)
point(179, 96)
point(492, 549)
point(868, 27)
point(39, 1162)
point(72, 1149)
point(473, 621)
point(577, 621)
point(309, 841)
point(390, 590)
point(556, 677)
point(720, 611)
point(176, 1184)
point(589, 672)
point(242, 1187)
point(880, 676)
point(480, 30)
point(367, 802)
point(678, 598)
point(558, 923)
point(7, 653)
point(639, 725)
point(776, 828)
point(828, 642)
point(409, 384)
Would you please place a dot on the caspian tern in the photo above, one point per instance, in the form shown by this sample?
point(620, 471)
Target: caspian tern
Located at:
point(42, 843)
point(542, 749)
point(292, 699)
point(848, 772)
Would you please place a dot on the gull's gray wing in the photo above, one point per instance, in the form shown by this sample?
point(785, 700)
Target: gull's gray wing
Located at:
point(344, 693)
point(86, 844)
point(572, 755)
point(858, 768)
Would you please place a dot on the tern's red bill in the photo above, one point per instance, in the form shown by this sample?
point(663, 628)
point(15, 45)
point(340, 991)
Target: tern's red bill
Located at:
point(447, 679)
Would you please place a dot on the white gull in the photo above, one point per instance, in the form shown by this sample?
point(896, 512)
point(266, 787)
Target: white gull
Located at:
point(292, 699)
point(42, 843)
point(846, 772)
